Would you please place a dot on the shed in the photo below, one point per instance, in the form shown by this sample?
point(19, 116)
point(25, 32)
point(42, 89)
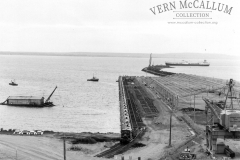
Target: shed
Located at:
point(25, 100)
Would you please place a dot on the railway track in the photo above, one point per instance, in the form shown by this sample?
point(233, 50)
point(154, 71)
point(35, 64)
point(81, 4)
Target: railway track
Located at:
point(114, 148)
point(119, 148)
point(135, 120)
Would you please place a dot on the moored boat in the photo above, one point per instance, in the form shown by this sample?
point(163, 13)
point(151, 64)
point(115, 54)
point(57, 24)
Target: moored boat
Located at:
point(94, 79)
point(13, 83)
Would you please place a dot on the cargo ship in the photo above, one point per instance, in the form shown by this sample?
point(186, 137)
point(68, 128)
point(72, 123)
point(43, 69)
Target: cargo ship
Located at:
point(185, 63)
point(29, 101)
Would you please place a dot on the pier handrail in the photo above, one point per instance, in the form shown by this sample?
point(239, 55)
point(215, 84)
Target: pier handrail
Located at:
point(203, 91)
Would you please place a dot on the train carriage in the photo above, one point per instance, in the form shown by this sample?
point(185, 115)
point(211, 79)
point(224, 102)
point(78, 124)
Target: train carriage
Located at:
point(126, 127)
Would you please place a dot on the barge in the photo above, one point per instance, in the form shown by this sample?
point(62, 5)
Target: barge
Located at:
point(29, 101)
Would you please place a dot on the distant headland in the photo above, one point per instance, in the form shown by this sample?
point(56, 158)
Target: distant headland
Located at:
point(118, 54)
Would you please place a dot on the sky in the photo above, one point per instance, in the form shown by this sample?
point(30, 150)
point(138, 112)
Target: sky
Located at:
point(123, 26)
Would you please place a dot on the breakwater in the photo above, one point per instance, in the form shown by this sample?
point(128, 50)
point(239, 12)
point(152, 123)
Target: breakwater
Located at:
point(157, 71)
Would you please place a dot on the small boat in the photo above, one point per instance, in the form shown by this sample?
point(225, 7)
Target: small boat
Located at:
point(13, 83)
point(94, 79)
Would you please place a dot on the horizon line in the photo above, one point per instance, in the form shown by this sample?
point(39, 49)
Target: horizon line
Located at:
point(108, 54)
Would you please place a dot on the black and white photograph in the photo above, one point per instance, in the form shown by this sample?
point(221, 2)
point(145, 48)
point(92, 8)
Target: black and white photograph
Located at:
point(119, 79)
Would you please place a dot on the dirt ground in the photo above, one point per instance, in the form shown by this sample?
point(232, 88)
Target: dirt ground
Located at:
point(156, 139)
point(49, 147)
point(43, 148)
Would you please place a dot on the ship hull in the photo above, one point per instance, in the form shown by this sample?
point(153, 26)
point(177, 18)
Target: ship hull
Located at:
point(94, 80)
point(30, 105)
point(189, 64)
point(13, 84)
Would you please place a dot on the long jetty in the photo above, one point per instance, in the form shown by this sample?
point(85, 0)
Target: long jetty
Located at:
point(157, 70)
point(179, 89)
point(142, 98)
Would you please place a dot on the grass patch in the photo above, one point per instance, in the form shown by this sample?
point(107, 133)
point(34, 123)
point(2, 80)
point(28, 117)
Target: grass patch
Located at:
point(136, 145)
point(86, 140)
point(93, 140)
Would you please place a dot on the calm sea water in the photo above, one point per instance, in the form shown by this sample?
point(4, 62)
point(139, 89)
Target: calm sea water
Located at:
point(81, 106)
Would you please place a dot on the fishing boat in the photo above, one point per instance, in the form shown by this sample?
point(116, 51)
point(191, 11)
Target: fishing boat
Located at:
point(29, 101)
point(185, 63)
point(13, 83)
point(94, 79)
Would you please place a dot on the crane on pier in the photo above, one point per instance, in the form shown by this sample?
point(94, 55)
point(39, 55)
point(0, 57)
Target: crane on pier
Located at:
point(226, 90)
point(222, 120)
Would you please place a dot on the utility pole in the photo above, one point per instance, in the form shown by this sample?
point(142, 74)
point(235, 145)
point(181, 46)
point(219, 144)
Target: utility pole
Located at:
point(64, 148)
point(207, 90)
point(177, 101)
point(170, 133)
point(194, 110)
point(190, 101)
point(16, 154)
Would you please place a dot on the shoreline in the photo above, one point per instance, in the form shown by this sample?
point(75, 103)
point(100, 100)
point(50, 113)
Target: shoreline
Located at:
point(47, 133)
